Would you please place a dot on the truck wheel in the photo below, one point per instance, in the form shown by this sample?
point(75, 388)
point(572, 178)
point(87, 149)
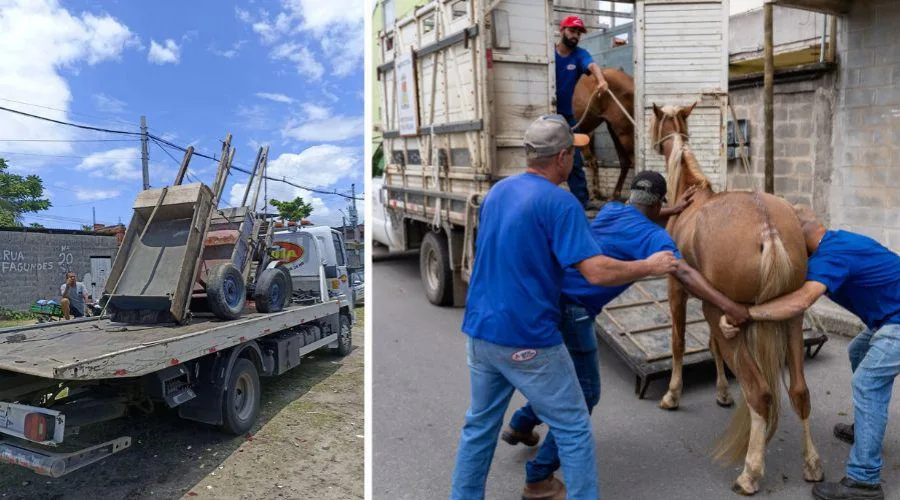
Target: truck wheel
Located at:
point(241, 398)
point(289, 287)
point(434, 266)
point(345, 337)
point(225, 291)
point(270, 291)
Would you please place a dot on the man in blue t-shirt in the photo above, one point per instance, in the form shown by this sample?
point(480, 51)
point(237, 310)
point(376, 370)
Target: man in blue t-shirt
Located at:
point(862, 276)
point(529, 232)
point(625, 232)
point(573, 61)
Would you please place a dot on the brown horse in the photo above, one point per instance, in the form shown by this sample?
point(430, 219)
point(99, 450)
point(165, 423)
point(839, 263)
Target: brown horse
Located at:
point(749, 246)
point(602, 109)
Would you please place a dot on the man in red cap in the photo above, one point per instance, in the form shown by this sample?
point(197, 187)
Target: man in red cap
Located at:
point(571, 62)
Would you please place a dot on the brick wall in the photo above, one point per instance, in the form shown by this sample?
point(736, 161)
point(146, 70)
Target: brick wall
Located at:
point(33, 265)
point(865, 189)
point(803, 141)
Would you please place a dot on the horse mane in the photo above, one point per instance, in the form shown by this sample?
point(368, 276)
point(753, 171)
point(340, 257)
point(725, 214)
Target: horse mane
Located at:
point(680, 151)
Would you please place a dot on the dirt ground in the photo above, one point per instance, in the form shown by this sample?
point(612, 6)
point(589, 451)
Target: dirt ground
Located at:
point(308, 443)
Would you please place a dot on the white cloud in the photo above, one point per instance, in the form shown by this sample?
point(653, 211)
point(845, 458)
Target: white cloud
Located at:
point(163, 54)
point(304, 60)
point(39, 38)
point(316, 112)
point(94, 194)
point(108, 104)
point(275, 97)
point(253, 117)
point(333, 129)
point(242, 15)
point(114, 164)
point(230, 53)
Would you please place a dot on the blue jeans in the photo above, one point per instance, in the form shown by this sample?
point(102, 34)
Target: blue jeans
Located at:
point(577, 180)
point(578, 333)
point(547, 378)
point(875, 361)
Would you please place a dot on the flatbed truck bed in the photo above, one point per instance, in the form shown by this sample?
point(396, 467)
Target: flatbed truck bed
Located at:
point(100, 349)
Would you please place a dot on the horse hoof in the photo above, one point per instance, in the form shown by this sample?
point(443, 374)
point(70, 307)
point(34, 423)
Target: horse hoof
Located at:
point(725, 402)
point(812, 472)
point(668, 403)
point(745, 485)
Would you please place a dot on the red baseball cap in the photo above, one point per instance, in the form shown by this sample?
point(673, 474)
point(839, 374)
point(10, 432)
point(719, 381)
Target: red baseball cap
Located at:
point(573, 22)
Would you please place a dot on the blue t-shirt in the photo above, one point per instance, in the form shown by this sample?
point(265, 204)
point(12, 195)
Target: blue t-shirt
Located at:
point(623, 233)
point(529, 231)
point(860, 274)
point(568, 71)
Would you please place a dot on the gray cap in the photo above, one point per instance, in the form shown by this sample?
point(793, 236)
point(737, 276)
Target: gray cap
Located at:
point(549, 135)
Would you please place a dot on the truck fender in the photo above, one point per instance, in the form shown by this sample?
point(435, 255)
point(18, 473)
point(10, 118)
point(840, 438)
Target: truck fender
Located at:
point(214, 371)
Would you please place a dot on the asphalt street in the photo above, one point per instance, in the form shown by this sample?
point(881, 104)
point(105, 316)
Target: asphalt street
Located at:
point(421, 393)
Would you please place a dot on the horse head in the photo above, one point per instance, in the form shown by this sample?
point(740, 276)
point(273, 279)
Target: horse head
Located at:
point(669, 123)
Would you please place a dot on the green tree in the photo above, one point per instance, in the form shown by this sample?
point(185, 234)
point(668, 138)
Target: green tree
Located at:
point(35, 225)
point(19, 195)
point(292, 210)
point(378, 161)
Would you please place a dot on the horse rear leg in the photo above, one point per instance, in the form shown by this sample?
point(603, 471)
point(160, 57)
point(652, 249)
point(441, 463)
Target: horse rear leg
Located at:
point(799, 393)
point(625, 162)
point(723, 397)
point(678, 305)
point(747, 432)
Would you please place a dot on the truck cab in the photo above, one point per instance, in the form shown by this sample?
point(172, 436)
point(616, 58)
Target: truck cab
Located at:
point(307, 251)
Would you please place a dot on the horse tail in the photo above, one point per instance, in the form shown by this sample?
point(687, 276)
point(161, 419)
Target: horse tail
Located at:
point(766, 342)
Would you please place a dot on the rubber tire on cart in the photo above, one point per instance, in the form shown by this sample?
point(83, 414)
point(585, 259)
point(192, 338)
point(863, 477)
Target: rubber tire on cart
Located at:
point(434, 266)
point(241, 403)
point(270, 291)
point(345, 337)
point(289, 294)
point(225, 291)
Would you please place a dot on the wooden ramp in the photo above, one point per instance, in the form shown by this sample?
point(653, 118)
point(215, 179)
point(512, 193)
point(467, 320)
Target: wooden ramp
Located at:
point(637, 325)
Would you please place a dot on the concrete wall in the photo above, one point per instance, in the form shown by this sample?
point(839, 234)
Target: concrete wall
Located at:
point(803, 141)
point(792, 29)
point(865, 191)
point(33, 265)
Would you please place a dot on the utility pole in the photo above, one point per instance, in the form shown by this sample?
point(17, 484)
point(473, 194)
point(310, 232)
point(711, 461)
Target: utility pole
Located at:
point(354, 220)
point(94, 211)
point(145, 154)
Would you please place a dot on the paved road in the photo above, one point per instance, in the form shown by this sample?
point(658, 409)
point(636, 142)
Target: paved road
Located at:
point(421, 394)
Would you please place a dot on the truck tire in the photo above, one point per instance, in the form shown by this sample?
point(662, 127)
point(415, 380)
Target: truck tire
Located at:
point(270, 291)
point(225, 291)
point(434, 266)
point(242, 395)
point(289, 293)
point(345, 337)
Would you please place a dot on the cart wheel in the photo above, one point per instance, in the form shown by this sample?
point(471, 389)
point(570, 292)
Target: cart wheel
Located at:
point(345, 337)
point(289, 293)
point(270, 291)
point(241, 398)
point(225, 291)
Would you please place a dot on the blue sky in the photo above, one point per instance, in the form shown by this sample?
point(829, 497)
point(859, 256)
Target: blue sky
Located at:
point(287, 73)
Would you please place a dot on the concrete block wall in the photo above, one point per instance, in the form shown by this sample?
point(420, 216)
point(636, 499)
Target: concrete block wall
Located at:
point(34, 265)
point(865, 192)
point(803, 141)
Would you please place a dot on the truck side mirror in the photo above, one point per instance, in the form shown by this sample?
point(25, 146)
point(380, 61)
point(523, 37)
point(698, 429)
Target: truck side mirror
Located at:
point(331, 272)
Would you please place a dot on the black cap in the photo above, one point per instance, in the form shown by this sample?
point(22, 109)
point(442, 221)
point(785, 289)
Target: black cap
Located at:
point(652, 187)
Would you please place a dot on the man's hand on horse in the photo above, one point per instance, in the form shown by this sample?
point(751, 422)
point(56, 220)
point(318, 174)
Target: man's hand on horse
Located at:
point(684, 200)
point(728, 329)
point(662, 263)
point(602, 86)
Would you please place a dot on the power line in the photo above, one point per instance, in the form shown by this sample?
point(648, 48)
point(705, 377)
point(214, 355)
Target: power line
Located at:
point(180, 148)
point(65, 111)
point(69, 140)
point(64, 156)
